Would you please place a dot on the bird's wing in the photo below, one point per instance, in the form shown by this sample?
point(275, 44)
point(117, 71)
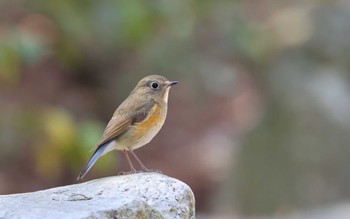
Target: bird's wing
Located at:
point(115, 127)
point(122, 119)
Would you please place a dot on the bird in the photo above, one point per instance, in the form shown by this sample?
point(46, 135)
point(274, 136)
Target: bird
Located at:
point(135, 122)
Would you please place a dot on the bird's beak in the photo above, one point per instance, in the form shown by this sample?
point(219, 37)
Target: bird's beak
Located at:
point(171, 83)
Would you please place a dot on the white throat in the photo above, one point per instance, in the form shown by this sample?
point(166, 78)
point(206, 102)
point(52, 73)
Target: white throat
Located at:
point(166, 94)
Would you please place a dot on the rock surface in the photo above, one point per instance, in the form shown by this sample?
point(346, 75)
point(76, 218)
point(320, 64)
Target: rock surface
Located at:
point(141, 195)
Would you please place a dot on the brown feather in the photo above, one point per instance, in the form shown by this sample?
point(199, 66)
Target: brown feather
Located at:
point(121, 119)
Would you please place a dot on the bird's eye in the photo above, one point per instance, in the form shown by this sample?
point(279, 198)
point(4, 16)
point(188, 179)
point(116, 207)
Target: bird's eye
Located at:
point(154, 85)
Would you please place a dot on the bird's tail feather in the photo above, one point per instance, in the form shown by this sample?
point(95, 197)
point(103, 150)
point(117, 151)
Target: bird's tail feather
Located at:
point(98, 152)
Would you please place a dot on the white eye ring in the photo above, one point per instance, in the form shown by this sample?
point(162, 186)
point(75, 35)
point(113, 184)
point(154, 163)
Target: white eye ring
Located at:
point(154, 84)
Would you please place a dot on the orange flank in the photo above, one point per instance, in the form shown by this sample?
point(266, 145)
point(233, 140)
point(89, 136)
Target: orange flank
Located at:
point(152, 120)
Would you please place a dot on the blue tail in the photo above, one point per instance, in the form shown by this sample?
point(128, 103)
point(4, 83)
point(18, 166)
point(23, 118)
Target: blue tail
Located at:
point(98, 152)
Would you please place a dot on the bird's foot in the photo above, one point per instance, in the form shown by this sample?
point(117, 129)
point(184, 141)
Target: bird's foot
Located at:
point(140, 171)
point(152, 170)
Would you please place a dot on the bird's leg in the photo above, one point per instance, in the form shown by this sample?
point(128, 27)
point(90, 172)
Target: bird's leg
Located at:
point(129, 161)
point(139, 161)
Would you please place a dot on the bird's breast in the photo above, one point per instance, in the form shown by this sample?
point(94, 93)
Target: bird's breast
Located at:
point(141, 133)
point(155, 117)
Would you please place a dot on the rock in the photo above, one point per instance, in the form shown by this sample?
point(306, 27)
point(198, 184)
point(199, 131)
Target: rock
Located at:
point(141, 195)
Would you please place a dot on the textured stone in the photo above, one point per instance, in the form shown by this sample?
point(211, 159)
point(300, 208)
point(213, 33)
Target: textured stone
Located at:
point(141, 195)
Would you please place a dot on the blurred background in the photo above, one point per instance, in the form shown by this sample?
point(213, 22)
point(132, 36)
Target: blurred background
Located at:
point(259, 125)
